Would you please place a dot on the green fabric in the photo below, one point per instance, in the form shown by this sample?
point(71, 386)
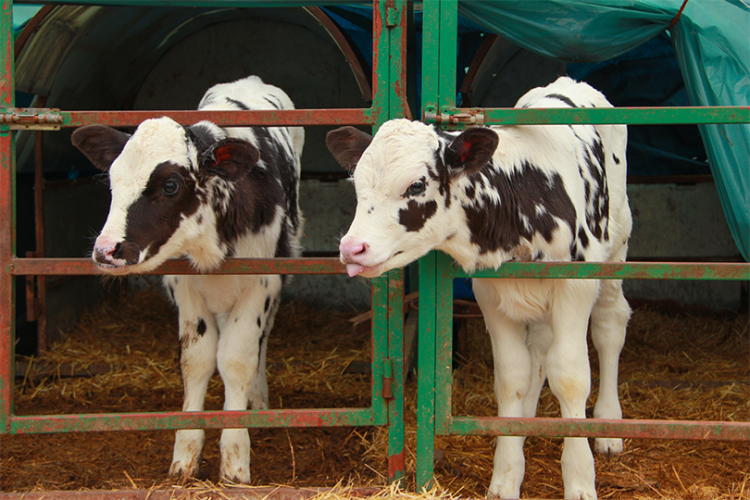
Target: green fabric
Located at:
point(712, 45)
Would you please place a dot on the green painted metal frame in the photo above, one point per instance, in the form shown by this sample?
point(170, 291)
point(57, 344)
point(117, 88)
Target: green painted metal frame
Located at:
point(437, 270)
point(389, 101)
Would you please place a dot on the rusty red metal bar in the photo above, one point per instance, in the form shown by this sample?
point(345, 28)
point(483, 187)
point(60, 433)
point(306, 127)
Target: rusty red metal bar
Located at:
point(322, 265)
point(331, 265)
point(590, 427)
point(330, 417)
point(7, 222)
point(239, 493)
point(287, 117)
point(39, 304)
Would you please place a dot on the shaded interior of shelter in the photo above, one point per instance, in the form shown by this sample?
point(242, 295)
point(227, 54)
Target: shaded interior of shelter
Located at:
point(78, 58)
point(152, 58)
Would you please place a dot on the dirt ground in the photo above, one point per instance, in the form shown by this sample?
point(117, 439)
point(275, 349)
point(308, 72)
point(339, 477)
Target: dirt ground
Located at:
point(678, 363)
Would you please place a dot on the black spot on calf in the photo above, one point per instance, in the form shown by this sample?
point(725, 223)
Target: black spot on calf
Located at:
point(201, 326)
point(531, 202)
point(416, 214)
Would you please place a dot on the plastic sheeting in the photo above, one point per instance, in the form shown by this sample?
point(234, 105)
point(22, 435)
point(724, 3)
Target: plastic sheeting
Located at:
point(712, 46)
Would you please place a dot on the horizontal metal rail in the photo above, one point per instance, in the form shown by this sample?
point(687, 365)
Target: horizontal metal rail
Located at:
point(603, 116)
point(195, 491)
point(46, 119)
point(614, 270)
point(48, 424)
point(332, 265)
point(592, 427)
point(41, 267)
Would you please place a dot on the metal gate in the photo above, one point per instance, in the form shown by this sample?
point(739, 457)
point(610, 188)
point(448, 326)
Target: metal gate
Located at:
point(389, 101)
point(436, 271)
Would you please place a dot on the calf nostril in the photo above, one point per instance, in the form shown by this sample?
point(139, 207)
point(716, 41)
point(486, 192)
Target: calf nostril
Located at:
point(361, 249)
point(116, 252)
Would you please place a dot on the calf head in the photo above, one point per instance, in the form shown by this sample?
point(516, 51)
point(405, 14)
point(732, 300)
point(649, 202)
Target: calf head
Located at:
point(403, 178)
point(162, 180)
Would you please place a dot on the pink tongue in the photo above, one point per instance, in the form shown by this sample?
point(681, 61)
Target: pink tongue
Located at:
point(354, 269)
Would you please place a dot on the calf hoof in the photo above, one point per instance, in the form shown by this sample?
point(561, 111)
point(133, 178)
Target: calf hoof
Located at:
point(188, 449)
point(503, 492)
point(183, 471)
point(608, 447)
point(235, 455)
point(581, 495)
point(239, 474)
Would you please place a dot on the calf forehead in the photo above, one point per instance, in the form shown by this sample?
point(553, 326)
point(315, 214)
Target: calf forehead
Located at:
point(155, 142)
point(399, 152)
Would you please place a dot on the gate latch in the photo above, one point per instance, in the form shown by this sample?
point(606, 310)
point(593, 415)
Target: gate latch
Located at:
point(31, 118)
point(465, 117)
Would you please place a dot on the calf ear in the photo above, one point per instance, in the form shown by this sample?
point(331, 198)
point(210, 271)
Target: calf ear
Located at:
point(101, 144)
point(471, 151)
point(347, 145)
point(229, 159)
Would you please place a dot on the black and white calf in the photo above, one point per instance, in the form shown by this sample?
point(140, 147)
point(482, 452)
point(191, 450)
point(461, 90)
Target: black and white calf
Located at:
point(514, 193)
point(207, 193)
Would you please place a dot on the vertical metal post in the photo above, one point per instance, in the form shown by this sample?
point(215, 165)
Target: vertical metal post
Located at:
point(7, 221)
point(380, 367)
point(426, 373)
point(396, 428)
point(439, 52)
point(40, 302)
point(443, 342)
point(389, 101)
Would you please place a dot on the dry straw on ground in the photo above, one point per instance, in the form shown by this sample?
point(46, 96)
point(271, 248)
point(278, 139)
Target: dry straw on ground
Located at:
point(677, 364)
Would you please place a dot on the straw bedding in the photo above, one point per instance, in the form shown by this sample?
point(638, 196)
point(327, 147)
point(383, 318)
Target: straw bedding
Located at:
point(678, 363)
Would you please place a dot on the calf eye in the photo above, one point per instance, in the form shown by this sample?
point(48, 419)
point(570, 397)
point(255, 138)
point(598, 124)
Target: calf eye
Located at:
point(170, 187)
point(416, 188)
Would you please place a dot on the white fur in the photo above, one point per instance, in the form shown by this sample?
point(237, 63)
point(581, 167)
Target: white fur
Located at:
point(538, 327)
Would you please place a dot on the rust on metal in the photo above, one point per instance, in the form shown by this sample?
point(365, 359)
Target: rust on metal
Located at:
point(590, 427)
point(466, 117)
point(323, 265)
point(285, 117)
point(396, 465)
point(31, 118)
point(40, 286)
point(246, 492)
point(331, 417)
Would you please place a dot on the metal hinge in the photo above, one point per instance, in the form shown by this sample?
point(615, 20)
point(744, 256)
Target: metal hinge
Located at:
point(31, 118)
point(472, 117)
point(387, 379)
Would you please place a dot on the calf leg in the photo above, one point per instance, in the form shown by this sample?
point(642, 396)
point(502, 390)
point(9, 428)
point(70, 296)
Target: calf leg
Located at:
point(512, 368)
point(198, 340)
point(241, 362)
point(570, 379)
point(540, 339)
point(609, 320)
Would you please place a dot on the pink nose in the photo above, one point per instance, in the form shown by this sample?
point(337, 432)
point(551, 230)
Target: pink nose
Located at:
point(105, 249)
point(352, 252)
